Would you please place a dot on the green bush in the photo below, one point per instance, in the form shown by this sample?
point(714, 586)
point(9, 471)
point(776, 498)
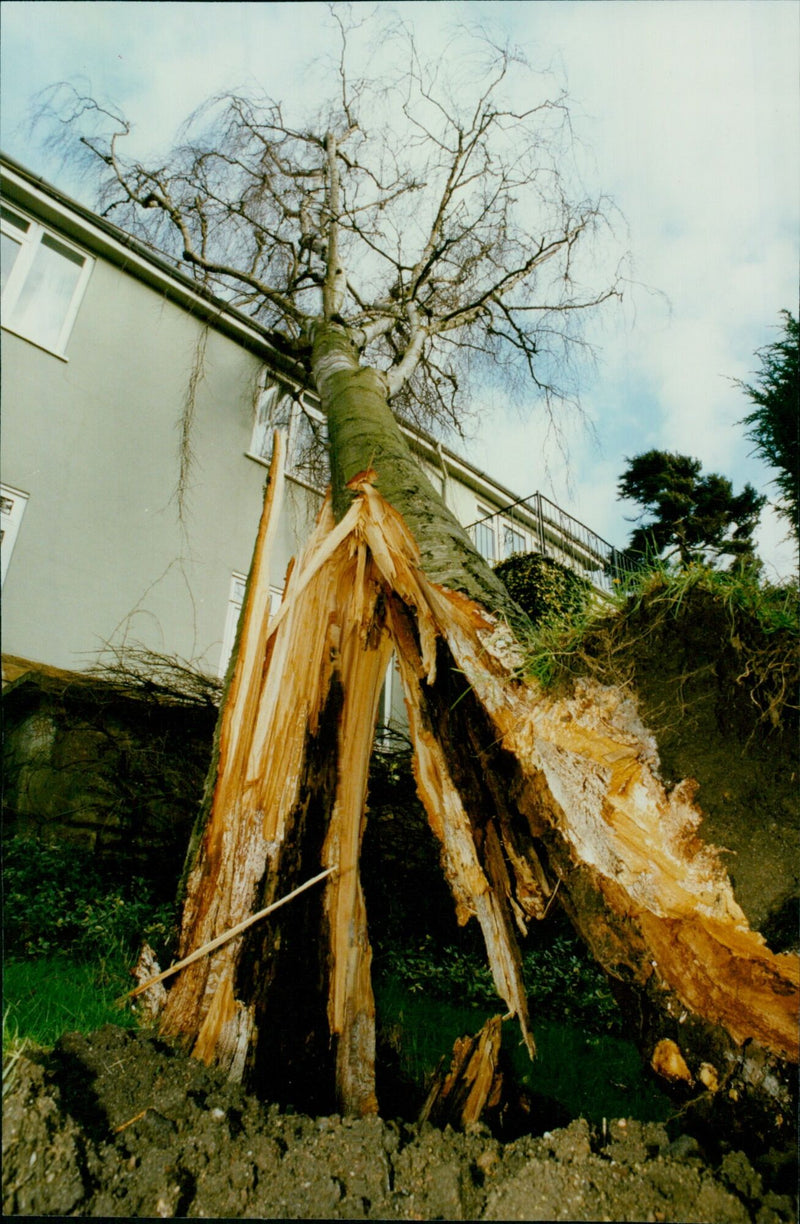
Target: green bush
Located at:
point(56, 901)
point(562, 982)
point(545, 589)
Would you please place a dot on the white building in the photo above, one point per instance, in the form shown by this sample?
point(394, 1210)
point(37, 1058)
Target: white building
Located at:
point(138, 411)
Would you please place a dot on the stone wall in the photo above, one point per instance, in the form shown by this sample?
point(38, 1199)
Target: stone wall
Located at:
point(104, 766)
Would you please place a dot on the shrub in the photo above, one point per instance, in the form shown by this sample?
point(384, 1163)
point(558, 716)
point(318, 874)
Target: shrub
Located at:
point(58, 902)
point(562, 982)
point(547, 590)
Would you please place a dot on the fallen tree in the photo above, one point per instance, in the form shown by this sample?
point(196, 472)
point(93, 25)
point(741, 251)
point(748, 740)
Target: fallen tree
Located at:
point(523, 791)
point(528, 794)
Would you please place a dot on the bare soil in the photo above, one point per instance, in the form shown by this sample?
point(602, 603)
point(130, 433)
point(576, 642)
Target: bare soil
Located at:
point(116, 1124)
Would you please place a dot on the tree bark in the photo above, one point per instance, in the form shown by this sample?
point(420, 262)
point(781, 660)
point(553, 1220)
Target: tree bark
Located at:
point(363, 434)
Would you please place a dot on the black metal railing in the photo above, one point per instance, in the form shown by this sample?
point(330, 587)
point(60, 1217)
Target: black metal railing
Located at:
point(546, 528)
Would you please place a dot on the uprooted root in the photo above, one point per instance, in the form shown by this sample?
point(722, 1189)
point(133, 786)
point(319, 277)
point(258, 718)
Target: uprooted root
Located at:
point(708, 631)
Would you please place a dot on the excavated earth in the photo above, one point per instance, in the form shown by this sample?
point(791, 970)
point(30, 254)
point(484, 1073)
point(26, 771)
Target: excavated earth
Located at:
point(115, 1124)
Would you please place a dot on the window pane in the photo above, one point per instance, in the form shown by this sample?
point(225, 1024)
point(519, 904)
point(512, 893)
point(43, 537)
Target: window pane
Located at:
point(8, 253)
point(13, 219)
point(64, 251)
point(484, 539)
point(513, 541)
point(45, 299)
point(273, 412)
point(308, 449)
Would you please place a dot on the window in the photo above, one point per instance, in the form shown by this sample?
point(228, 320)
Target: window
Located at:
point(235, 601)
point(273, 411)
point(12, 508)
point(43, 280)
point(496, 538)
point(305, 429)
point(513, 541)
point(484, 536)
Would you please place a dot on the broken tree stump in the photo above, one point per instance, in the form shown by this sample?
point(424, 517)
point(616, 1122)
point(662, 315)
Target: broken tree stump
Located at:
point(526, 792)
point(472, 1084)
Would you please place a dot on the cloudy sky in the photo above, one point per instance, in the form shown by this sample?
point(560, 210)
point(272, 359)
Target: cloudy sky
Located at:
point(687, 113)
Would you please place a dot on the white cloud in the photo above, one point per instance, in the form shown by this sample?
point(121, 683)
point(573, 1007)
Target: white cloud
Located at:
point(689, 114)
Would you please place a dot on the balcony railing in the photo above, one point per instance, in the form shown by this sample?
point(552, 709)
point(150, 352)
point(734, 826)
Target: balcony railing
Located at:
point(536, 524)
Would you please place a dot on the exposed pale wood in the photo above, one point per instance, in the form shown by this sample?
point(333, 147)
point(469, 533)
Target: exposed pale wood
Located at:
point(592, 774)
point(221, 886)
point(473, 1081)
point(450, 821)
point(365, 653)
point(581, 783)
point(148, 974)
point(329, 624)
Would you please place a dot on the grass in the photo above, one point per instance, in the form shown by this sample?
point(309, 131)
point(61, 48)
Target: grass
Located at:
point(48, 996)
point(593, 1075)
point(774, 607)
point(555, 650)
point(71, 937)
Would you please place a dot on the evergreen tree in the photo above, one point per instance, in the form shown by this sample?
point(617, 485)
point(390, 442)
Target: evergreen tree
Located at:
point(774, 423)
point(697, 517)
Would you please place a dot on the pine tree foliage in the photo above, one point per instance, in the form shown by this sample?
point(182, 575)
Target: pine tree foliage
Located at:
point(696, 517)
point(774, 423)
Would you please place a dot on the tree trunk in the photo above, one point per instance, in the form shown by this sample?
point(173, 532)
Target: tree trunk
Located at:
point(364, 434)
point(525, 793)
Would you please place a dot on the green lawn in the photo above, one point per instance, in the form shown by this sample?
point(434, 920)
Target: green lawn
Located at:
point(591, 1075)
point(46, 997)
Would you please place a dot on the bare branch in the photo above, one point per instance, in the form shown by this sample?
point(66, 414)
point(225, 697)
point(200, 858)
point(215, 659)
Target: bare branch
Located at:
point(463, 246)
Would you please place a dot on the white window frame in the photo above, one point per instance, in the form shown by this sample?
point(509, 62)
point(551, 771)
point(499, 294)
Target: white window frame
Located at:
point(12, 509)
point(275, 403)
point(508, 529)
point(30, 240)
point(234, 611)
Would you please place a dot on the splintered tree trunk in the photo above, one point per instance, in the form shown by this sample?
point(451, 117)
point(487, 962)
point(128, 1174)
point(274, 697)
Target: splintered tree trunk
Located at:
point(526, 794)
point(288, 798)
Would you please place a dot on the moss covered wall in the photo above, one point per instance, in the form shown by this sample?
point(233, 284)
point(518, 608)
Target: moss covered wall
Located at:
point(87, 763)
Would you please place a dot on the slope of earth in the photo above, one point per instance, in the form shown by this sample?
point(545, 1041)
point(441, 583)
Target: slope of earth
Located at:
point(719, 690)
point(117, 1125)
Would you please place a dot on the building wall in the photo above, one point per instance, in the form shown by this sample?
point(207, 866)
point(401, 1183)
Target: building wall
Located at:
point(102, 556)
point(107, 554)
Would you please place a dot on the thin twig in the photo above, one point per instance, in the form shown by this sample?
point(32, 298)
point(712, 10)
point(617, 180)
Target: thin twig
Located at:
point(136, 1117)
point(225, 936)
point(552, 899)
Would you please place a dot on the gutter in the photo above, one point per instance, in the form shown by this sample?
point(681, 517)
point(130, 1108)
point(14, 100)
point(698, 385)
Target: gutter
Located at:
point(102, 237)
point(33, 193)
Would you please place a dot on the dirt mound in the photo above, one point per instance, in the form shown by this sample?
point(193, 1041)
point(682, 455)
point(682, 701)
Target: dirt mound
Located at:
point(719, 691)
point(116, 1124)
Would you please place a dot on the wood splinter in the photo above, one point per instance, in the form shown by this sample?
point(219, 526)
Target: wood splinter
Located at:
point(473, 1083)
point(225, 936)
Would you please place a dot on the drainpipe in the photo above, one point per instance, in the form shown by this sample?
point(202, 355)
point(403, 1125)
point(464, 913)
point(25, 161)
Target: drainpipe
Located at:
point(445, 477)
